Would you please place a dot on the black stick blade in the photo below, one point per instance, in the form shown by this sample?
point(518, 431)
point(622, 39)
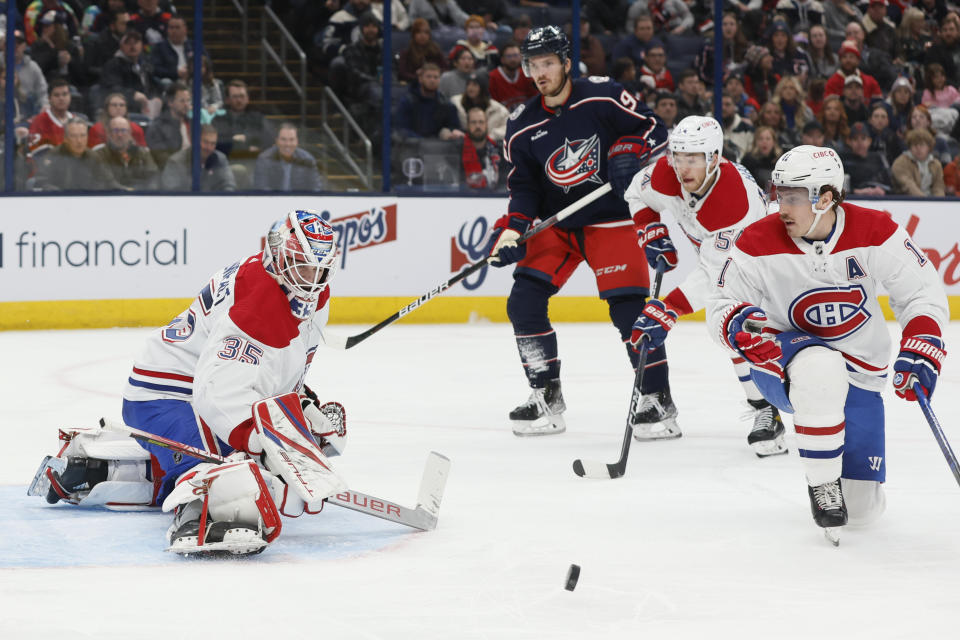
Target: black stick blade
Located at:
point(597, 470)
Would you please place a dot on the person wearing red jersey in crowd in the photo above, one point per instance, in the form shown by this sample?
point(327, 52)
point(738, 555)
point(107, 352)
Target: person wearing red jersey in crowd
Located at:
point(508, 84)
point(46, 129)
point(654, 72)
point(849, 59)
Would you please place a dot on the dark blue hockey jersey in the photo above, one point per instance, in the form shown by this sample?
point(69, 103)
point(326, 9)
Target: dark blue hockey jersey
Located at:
point(558, 155)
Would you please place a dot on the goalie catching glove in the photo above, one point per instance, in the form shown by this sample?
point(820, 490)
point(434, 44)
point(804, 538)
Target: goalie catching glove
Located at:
point(743, 332)
point(502, 247)
point(328, 422)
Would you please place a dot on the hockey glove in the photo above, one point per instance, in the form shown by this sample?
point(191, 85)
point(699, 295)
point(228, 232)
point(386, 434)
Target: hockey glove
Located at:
point(656, 243)
point(743, 333)
point(919, 360)
point(626, 157)
point(653, 324)
point(502, 247)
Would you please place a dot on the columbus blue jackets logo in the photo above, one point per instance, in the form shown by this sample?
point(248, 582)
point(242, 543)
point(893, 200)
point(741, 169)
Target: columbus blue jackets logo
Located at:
point(831, 314)
point(576, 162)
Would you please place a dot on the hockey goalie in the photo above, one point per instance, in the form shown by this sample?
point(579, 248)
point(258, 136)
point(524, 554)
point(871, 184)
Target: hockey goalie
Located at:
point(227, 377)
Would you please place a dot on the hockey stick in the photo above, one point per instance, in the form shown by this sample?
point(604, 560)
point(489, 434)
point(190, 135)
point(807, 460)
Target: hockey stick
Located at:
point(600, 470)
point(937, 431)
point(345, 342)
point(423, 517)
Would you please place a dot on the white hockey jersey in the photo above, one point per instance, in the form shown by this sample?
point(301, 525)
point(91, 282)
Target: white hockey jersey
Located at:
point(711, 222)
point(237, 343)
point(829, 288)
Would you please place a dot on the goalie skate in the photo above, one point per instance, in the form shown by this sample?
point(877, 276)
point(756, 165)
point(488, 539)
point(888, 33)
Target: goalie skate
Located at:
point(542, 413)
point(220, 538)
point(656, 417)
point(766, 437)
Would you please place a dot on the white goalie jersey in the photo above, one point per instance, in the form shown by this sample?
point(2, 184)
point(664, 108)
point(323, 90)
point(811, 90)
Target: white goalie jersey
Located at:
point(241, 340)
point(829, 288)
point(712, 222)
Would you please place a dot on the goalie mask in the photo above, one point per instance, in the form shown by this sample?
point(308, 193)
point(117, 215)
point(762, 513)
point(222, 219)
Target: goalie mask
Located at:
point(302, 251)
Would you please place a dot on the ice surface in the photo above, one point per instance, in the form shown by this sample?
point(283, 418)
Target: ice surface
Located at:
point(699, 540)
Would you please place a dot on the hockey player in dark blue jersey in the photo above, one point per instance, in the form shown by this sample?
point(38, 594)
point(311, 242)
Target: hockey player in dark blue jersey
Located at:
point(561, 145)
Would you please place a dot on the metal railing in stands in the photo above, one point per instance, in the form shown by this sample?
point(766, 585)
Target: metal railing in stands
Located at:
point(266, 49)
point(243, 8)
point(343, 146)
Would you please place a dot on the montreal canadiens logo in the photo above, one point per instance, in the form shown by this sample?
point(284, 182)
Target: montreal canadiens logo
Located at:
point(315, 229)
point(576, 162)
point(831, 314)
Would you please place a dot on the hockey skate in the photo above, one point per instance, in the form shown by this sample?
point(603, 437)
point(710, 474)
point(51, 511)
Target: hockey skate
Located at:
point(219, 538)
point(542, 413)
point(829, 509)
point(656, 417)
point(766, 436)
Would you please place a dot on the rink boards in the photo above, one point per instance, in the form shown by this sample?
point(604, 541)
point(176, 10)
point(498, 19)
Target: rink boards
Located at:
point(84, 262)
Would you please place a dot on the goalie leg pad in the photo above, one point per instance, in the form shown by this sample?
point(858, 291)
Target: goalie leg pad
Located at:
point(222, 509)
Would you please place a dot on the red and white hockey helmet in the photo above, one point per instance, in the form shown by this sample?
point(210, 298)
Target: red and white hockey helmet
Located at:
point(697, 134)
point(809, 167)
point(302, 250)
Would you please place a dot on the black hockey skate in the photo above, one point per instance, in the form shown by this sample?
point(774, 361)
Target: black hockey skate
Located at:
point(656, 417)
point(542, 413)
point(828, 508)
point(766, 436)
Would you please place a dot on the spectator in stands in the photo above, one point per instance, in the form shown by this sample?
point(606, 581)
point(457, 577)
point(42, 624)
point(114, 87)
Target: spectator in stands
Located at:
point(122, 164)
point(151, 21)
point(480, 161)
point(484, 53)
point(771, 115)
point(901, 103)
point(343, 28)
point(746, 105)
point(424, 112)
point(665, 106)
point(788, 60)
point(735, 47)
point(951, 177)
point(508, 84)
point(215, 174)
point(791, 98)
point(454, 81)
point(243, 132)
point(834, 121)
point(46, 128)
point(33, 86)
point(399, 19)
point(934, 12)
point(669, 16)
point(625, 73)
point(103, 15)
point(172, 57)
point(837, 14)
point(476, 95)
point(654, 73)
point(212, 91)
point(920, 118)
point(521, 26)
point(736, 130)
point(938, 93)
point(592, 55)
point(105, 46)
point(823, 62)
point(70, 166)
point(130, 73)
point(444, 16)
point(760, 80)
point(354, 76)
point(881, 32)
point(22, 130)
point(635, 45)
point(853, 102)
point(886, 142)
point(869, 175)
point(815, 95)
point(762, 158)
point(170, 131)
point(877, 62)
point(285, 166)
point(801, 14)
point(422, 48)
point(812, 134)
point(914, 37)
point(55, 54)
point(494, 12)
point(114, 106)
point(35, 11)
point(690, 101)
point(849, 59)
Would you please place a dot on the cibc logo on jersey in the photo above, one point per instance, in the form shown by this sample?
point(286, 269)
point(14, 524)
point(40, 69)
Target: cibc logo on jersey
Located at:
point(574, 163)
point(831, 314)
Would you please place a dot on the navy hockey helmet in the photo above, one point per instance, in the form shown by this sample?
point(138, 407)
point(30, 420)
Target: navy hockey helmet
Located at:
point(544, 41)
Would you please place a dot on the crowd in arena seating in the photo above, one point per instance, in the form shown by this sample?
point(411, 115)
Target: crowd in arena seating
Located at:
point(877, 80)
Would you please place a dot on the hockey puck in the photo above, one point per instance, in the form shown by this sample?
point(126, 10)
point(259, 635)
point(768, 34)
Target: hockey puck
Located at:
point(573, 574)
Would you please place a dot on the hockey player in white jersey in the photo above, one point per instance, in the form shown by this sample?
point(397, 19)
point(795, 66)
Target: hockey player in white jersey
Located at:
point(798, 299)
point(249, 335)
point(712, 200)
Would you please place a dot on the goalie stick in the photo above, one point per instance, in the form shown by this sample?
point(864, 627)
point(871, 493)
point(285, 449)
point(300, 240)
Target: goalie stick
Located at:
point(345, 342)
point(600, 470)
point(423, 517)
point(938, 433)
